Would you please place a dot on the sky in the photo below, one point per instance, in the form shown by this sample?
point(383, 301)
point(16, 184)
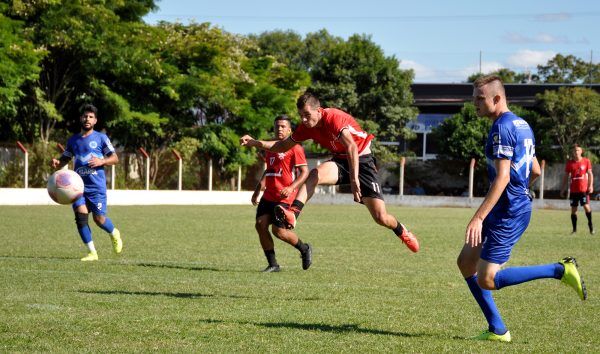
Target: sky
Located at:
point(442, 41)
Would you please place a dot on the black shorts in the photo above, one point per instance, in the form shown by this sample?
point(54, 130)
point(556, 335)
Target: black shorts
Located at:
point(266, 207)
point(579, 198)
point(367, 175)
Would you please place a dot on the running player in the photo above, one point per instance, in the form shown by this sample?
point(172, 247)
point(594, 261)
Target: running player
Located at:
point(505, 211)
point(352, 163)
point(280, 188)
point(92, 151)
point(579, 172)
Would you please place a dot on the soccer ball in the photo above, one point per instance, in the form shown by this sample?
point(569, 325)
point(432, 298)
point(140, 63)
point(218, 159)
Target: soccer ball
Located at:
point(65, 186)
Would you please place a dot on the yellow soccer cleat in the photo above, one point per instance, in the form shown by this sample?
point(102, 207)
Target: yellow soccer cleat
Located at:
point(572, 278)
point(92, 256)
point(487, 335)
point(116, 241)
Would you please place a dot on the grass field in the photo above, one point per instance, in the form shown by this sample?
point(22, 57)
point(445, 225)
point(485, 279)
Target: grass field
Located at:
point(189, 280)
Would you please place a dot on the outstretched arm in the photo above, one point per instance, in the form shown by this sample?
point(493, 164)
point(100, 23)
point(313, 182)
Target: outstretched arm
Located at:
point(270, 145)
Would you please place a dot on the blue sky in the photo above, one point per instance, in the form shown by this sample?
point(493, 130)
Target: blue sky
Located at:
point(440, 40)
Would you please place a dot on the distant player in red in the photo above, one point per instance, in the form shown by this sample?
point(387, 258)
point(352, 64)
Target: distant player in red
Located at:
point(578, 172)
point(280, 189)
point(352, 163)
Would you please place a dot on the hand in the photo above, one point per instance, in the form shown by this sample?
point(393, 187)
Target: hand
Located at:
point(247, 140)
point(591, 190)
point(254, 199)
point(54, 163)
point(563, 193)
point(286, 192)
point(95, 162)
point(355, 187)
point(473, 233)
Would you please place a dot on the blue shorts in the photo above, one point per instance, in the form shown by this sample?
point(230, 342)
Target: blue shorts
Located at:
point(500, 236)
point(95, 202)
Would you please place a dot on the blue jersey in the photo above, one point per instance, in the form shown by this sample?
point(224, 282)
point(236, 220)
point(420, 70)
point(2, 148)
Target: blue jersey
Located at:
point(511, 138)
point(82, 149)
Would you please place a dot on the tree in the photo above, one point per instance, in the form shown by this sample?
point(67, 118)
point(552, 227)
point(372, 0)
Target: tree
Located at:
point(508, 76)
point(564, 69)
point(570, 115)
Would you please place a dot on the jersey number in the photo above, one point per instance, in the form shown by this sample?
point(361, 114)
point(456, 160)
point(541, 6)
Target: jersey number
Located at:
point(529, 152)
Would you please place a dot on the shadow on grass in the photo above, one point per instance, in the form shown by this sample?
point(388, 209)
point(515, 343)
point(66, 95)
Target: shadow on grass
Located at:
point(342, 329)
point(147, 293)
point(174, 266)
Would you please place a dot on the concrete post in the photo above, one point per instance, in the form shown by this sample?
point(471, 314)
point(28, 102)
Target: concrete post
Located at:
point(401, 179)
point(471, 177)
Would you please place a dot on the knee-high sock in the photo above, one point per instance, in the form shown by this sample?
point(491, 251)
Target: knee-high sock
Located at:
point(589, 217)
point(108, 225)
point(517, 275)
point(488, 306)
point(574, 222)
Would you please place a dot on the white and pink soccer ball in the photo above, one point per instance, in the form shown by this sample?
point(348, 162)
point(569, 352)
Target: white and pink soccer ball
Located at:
point(65, 186)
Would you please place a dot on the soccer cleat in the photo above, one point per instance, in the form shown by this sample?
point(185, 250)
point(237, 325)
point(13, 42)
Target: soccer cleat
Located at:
point(286, 216)
point(572, 278)
point(487, 335)
point(306, 257)
point(592, 231)
point(92, 256)
point(271, 269)
point(116, 241)
point(409, 239)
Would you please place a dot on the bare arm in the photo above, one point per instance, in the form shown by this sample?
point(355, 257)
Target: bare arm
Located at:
point(563, 186)
point(301, 176)
point(113, 159)
point(60, 162)
point(536, 171)
point(269, 145)
point(260, 186)
point(352, 151)
point(473, 232)
point(590, 188)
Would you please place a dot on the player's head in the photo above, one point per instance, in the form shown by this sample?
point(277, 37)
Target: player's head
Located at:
point(283, 127)
point(489, 96)
point(88, 117)
point(576, 151)
point(309, 109)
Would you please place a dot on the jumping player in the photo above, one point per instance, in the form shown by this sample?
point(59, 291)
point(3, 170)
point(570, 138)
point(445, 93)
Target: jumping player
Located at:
point(352, 163)
point(505, 211)
point(579, 173)
point(92, 151)
point(280, 188)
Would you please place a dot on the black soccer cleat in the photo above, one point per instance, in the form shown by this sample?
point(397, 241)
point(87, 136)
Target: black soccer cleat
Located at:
point(306, 257)
point(271, 269)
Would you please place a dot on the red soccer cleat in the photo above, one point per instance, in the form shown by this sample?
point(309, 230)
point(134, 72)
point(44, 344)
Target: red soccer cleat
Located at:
point(286, 216)
point(409, 239)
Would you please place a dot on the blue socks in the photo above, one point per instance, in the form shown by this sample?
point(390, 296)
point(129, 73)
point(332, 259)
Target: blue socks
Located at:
point(518, 275)
point(108, 225)
point(488, 306)
point(86, 234)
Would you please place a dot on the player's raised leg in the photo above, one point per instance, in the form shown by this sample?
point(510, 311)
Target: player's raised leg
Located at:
point(324, 174)
point(379, 213)
point(266, 242)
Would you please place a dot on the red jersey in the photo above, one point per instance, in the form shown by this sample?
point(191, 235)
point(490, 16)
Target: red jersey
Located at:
point(279, 173)
point(579, 175)
point(328, 135)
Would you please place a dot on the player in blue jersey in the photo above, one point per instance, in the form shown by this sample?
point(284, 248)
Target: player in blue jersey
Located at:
point(92, 151)
point(505, 211)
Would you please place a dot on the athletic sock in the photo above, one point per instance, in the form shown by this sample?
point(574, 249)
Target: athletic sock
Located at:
point(574, 222)
point(107, 226)
point(517, 275)
point(297, 207)
point(589, 217)
point(270, 254)
point(398, 229)
point(85, 233)
point(301, 246)
point(90, 246)
point(488, 306)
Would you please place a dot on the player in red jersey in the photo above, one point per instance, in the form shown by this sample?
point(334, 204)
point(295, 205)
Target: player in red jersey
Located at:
point(579, 172)
point(280, 188)
point(352, 163)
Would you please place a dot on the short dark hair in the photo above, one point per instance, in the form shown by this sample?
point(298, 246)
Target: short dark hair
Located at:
point(282, 117)
point(484, 80)
point(89, 108)
point(308, 98)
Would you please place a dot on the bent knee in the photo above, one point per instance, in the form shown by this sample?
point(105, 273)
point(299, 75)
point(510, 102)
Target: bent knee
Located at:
point(486, 282)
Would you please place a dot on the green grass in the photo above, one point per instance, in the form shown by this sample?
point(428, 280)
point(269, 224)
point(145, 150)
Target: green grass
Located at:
point(189, 280)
